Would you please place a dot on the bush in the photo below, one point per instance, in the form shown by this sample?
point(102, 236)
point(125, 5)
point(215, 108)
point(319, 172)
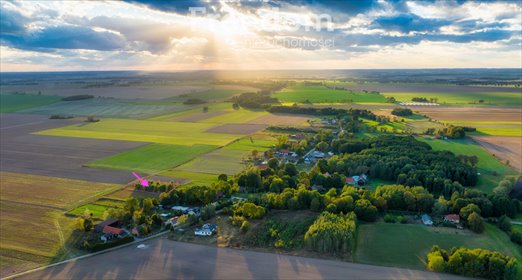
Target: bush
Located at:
point(236, 220)
point(516, 237)
point(193, 101)
point(244, 227)
point(389, 218)
point(402, 112)
point(208, 212)
point(250, 210)
point(102, 246)
point(77, 97)
point(504, 223)
point(476, 223)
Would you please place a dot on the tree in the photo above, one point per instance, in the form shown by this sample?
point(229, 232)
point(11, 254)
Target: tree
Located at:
point(147, 205)
point(504, 223)
point(441, 206)
point(475, 222)
point(235, 106)
point(436, 262)
point(205, 109)
point(468, 209)
point(365, 210)
point(222, 177)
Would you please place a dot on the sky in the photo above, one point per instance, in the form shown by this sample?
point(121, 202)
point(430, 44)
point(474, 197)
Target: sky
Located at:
point(186, 35)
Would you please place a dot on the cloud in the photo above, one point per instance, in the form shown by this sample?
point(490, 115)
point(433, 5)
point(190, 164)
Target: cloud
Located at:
point(406, 23)
point(180, 6)
point(66, 37)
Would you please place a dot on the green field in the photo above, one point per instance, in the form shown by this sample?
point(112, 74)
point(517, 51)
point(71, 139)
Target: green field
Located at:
point(97, 208)
point(153, 158)
point(102, 107)
point(465, 98)
point(176, 133)
point(496, 128)
point(407, 245)
point(492, 170)
point(319, 94)
point(227, 161)
point(15, 102)
point(255, 144)
point(236, 116)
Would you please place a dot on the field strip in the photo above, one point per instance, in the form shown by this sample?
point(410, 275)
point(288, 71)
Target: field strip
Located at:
point(33, 204)
point(20, 125)
point(85, 256)
point(39, 154)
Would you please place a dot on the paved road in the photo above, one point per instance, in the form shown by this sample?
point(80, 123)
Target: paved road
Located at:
point(165, 259)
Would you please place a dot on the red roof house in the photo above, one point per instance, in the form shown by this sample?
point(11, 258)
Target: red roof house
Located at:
point(453, 218)
point(349, 180)
point(112, 230)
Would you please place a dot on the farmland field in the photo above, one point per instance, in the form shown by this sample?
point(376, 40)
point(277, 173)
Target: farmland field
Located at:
point(16, 102)
point(505, 148)
point(320, 94)
point(177, 133)
point(33, 229)
point(100, 107)
point(193, 178)
point(491, 169)
point(153, 158)
point(236, 116)
point(52, 192)
point(463, 99)
point(63, 157)
point(228, 161)
point(97, 208)
point(407, 245)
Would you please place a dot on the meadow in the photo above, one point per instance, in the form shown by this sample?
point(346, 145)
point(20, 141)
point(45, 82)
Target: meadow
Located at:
point(153, 158)
point(227, 161)
point(406, 245)
point(98, 208)
point(490, 168)
point(15, 102)
point(176, 133)
point(302, 93)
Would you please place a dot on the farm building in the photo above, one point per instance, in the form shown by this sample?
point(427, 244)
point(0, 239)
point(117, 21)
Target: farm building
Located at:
point(206, 230)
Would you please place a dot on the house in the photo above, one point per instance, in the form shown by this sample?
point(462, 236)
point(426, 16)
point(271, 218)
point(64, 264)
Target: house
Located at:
point(109, 222)
point(206, 230)
point(172, 221)
point(452, 218)
point(113, 231)
point(182, 209)
point(327, 175)
point(426, 220)
point(349, 181)
point(317, 154)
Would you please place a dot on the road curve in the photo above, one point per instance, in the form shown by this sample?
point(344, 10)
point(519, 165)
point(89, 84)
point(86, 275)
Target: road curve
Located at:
point(166, 259)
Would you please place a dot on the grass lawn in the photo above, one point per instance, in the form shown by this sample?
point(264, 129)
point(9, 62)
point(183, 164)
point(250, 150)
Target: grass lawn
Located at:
point(49, 191)
point(15, 102)
point(463, 99)
point(491, 169)
point(176, 133)
point(153, 158)
point(407, 245)
point(97, 208)
point(301, 93)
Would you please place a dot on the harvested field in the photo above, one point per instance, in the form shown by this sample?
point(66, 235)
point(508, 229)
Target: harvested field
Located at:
point(131, 192)
point(505, 148)
point(236, 129)
point(236, 116)
point(191, 178)
point(199, 116)
point(63, 157)
point(50, 192)
point(281, 119)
